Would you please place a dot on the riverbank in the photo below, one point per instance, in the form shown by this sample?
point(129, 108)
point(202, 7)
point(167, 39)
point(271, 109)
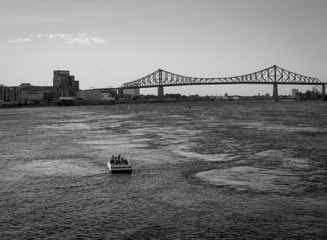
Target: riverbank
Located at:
point(76, 102)
point(79, 102)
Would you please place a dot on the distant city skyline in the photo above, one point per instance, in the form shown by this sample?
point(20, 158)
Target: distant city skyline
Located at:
point(110, 42)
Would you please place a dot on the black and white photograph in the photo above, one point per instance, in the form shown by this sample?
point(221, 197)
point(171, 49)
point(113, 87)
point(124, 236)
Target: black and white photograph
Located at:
point(163, 119)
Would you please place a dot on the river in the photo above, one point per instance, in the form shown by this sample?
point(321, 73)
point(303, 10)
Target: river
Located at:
point(201, 170)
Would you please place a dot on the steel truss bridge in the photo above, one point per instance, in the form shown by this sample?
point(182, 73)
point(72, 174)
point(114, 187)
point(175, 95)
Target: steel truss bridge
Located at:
point(273, 75)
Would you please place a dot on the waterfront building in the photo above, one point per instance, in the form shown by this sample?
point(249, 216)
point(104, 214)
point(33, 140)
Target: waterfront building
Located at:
point(94, 95)
point(23, 85)
point(29, 92)
point(89, 94)
point(132, 92)
point(64, 85)
point(9, 93)
point(107, 96)
point(294, 92)
point(66, 82)
point(60, 78)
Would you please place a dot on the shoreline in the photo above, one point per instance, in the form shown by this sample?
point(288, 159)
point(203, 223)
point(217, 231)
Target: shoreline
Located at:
point(113, 102)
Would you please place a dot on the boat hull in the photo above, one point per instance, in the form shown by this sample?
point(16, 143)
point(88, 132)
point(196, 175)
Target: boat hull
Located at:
point(119, 168)
point(121, 171)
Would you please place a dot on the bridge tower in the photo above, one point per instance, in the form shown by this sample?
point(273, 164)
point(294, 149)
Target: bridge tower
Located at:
point(275, 90)
point(323, 91)
point(160, 87)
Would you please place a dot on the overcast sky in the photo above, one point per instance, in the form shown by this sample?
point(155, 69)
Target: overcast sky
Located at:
point(110, 42)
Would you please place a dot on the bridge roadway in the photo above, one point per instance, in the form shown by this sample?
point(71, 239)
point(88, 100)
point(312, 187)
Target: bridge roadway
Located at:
point(273, 75)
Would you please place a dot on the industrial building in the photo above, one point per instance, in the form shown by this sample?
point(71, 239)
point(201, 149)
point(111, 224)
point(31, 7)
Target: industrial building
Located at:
point(65, 82)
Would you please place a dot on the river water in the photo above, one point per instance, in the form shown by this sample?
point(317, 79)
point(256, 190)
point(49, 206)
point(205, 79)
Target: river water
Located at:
point(205, 170)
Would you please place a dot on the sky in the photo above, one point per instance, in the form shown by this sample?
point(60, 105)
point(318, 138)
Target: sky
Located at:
point(110, 42)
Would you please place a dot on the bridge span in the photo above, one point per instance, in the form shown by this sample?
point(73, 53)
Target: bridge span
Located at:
point(273, 75)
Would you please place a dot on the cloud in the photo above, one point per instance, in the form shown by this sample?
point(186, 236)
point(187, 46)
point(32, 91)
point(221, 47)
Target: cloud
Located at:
point(79, 38)
point(20, 40)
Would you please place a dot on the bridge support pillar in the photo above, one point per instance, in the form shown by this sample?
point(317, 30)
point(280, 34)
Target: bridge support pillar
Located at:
point(160, 93)
point(120, 93)
point(275, 93)
point(323, 91)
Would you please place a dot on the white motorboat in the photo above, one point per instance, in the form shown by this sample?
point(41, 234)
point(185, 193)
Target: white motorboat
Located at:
point(119, 165)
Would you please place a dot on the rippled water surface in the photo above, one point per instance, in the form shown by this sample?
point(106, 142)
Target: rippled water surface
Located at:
point(217, 170)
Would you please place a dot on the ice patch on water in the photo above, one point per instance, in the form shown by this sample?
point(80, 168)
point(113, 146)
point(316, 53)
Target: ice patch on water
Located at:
point(270, 153)
point(284, 157)
point(296, 163)
point(184, 152)
point(110, 125)
point(101, 142)
point(274, 126)
point(122, 116)
point(76, 125)
point(149, 156)
point(252, 124)
point(244, 177)
point(115, 143)
point(288, 128)
point(51, 167)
